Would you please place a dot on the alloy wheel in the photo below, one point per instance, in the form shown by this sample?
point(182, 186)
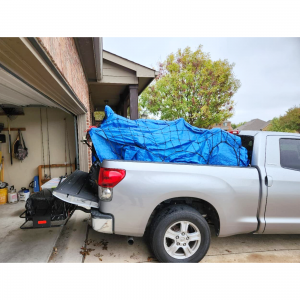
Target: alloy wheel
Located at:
point(182, 239)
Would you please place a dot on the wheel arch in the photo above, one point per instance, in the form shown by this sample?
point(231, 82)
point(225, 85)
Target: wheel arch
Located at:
point(205, 208)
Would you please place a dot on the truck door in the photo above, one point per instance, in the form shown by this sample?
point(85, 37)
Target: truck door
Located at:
point(283, 181)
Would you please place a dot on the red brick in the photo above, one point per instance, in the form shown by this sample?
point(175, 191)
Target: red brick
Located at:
point(63, 53)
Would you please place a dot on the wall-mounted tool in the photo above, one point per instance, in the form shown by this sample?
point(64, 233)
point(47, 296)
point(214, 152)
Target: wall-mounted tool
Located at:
point(2, 136)
point(2, 140)
point(3, 184)
point(19, 147)
point(11, 111)
point(1, 167)
point(9, 142)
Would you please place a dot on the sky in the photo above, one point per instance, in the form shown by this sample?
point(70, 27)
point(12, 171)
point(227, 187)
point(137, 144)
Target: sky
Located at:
point(268, 68)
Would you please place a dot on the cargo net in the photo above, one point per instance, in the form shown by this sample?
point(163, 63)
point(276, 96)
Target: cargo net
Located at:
point(165, 141)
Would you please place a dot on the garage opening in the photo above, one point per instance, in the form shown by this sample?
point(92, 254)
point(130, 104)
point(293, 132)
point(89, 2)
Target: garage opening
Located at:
point(43, 130)
point(48, 132)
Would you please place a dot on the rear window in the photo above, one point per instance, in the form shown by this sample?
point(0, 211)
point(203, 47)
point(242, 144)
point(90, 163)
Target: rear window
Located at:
point(290, 153)
point(248, 142)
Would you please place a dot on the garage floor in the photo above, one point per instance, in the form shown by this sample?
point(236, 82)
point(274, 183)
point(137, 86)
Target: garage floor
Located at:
point(17, 245)
point(57, 245)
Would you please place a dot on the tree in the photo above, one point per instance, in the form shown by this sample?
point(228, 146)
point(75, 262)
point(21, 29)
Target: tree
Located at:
point(290, 122)
point(275, 126)
point(192, 86)
point(234, 126)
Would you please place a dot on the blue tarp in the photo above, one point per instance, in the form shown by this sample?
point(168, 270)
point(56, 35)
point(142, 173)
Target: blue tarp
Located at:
point(165, 141)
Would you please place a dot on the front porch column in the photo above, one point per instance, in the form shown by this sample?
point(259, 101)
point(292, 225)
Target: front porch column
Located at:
point(133, 100)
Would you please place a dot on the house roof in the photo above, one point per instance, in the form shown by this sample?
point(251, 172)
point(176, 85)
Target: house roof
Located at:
point(124, 61)
point(93, 56)
point(255, 124)
point(109, 75)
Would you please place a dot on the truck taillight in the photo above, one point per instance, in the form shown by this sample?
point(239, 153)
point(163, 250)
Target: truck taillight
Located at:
point(108, 178)
point(234, 131)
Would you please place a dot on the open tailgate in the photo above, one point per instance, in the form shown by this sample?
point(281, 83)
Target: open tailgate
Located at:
point(77, 190)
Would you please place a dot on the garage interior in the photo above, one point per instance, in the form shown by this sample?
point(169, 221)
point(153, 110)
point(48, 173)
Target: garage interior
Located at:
point(43, 124)
point(39, 118)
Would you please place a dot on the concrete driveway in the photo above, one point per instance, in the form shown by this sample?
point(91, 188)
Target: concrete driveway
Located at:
point(104, 248)
point(77, 243)
point(235, 249)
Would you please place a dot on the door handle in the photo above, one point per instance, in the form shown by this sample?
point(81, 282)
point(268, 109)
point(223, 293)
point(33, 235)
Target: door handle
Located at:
point(268, 181)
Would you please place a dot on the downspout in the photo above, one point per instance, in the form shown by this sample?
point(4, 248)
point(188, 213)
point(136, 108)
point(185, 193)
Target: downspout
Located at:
point(98, 52)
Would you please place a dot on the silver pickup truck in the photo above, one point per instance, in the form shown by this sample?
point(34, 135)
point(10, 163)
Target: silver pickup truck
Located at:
point(173, 204)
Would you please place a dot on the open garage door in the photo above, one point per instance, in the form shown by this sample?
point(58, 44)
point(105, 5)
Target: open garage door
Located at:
point(27, 60)
point(47, 128)
point(15, 92)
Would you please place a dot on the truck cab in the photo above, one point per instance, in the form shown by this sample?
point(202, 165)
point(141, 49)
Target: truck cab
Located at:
point(277, 157)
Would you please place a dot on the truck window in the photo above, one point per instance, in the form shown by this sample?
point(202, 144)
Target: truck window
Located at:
point(290, 153)
point(248, 142)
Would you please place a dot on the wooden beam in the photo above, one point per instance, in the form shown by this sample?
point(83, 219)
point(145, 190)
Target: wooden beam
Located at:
point(58, 166)
point(14, 129)
point(133, 98)
point(43, 180)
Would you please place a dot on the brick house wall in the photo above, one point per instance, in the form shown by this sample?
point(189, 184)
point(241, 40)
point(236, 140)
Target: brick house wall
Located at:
point(63, 54)
point(222, 125)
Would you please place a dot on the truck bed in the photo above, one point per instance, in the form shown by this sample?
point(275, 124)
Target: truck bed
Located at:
point(147, 184)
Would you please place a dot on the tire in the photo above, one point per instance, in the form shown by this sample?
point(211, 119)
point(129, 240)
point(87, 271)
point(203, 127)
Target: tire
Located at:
point(183, 228)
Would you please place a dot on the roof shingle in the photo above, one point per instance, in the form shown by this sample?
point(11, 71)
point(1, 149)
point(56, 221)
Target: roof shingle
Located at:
point(255, 124)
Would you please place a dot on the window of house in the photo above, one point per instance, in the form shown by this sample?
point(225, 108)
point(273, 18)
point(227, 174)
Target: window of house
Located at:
point(290, 153)
point(225, 124)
